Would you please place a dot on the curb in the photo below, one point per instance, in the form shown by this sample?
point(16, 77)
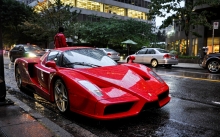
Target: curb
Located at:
point(47, 123)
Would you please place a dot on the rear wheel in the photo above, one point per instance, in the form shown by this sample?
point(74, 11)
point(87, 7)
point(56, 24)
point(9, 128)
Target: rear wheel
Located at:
point(213, 66)
point(154, 63)
point(18, 78)
point(200, 62)
point(61, 96)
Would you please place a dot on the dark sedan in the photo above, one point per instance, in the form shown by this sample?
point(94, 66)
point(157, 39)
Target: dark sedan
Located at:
point(24, 50)
point(212, 62)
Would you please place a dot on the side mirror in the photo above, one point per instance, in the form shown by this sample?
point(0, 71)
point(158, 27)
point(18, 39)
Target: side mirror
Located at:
point(51, 64)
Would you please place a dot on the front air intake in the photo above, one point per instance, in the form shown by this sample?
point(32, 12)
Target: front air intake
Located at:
point(118, 108)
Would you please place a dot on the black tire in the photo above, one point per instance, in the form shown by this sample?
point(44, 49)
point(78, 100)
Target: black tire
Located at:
point(154, 63)
point(12, 59)
point(18, 78)
point(61, 96)
point(200, 62)
point(213, 66)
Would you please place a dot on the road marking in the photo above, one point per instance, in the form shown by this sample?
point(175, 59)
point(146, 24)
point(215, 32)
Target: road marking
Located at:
point(191, 78)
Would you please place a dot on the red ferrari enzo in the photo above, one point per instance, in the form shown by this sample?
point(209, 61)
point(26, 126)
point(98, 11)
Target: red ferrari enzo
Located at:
point(85, 80)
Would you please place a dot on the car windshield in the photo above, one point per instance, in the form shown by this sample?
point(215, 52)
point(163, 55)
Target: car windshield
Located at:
point(163, 51)
point(31, 48)
point(87, 57)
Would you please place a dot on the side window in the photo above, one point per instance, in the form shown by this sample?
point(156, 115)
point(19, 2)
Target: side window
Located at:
point(150, 51)
point(54, 55)
point(21, 48)
point(142, 51)
point(16, 47)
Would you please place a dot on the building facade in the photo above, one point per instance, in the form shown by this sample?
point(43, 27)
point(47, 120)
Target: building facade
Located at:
point(122, 9)
point(210, 38)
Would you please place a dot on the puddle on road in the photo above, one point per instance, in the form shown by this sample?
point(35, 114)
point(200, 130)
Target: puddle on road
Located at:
point(191, 74)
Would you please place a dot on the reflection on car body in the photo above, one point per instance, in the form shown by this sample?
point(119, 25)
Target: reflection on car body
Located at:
point(155, 57)
point(86, 81)
point(111, 53)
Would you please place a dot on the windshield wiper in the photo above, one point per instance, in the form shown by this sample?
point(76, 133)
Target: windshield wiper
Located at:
point(82, 63)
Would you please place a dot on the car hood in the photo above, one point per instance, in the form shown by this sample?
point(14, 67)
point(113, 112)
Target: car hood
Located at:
point(122, 78)
point(37, 52)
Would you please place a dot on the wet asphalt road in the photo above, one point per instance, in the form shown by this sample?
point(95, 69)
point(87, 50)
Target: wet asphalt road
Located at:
point(192, 112)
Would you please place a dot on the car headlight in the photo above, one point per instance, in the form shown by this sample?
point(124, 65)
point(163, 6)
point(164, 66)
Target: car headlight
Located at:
point(156, 76)
point(32, 55)
point(91, 87)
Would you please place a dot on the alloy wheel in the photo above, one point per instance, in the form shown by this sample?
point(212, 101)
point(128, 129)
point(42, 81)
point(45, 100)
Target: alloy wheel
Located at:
point(61, 97)
point(214, 66)
point(154, 63)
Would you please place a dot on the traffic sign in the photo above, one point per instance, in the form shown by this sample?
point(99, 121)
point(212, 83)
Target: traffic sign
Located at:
point(215, 25)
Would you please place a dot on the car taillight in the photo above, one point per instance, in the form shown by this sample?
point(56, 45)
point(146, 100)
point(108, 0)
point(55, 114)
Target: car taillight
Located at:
point(176, 56)
point(118, 54)
point(109, 54)
point(166, 56)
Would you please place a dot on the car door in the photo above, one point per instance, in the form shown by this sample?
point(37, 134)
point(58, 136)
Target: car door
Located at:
point(148, 56)
point(139, 56)
point(43, 72)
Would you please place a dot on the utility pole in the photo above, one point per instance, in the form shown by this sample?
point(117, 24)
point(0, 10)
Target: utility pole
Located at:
point(3, 101)
point(2, 74)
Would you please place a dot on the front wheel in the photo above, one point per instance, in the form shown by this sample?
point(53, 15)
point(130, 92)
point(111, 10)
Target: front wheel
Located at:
point(61, 96)
point(213, 66)
point(12, 59)
point(154, 63)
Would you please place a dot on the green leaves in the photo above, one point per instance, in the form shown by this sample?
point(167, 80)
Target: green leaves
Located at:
point(45, 23)
point(113, 31)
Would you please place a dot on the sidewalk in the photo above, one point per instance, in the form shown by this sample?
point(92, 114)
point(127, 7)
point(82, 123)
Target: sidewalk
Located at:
point(19, 120)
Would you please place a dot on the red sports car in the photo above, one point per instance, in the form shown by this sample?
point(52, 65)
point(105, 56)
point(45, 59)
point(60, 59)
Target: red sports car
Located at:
point(85, 80)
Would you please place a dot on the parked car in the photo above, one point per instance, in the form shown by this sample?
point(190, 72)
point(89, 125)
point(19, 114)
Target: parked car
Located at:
point(111, 53)
point(84, 80)
point(155, 57)
point(24, 50)
point(212, 62)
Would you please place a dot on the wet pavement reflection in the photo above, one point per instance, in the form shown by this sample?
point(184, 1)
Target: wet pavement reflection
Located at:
point(197, 74)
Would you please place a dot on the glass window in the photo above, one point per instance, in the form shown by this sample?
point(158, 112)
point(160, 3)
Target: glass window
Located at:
point(53, 56)
point(90, 5)
point(136, 14)
point(163, 51)
point(114, 10)
point(69, 2)
point(150, 51)
point(142, 51)
point(84, 57)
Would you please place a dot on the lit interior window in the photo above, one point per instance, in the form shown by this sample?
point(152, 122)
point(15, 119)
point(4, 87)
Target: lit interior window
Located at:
point(90, 5)
point(114, 10)
point(136, 14)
